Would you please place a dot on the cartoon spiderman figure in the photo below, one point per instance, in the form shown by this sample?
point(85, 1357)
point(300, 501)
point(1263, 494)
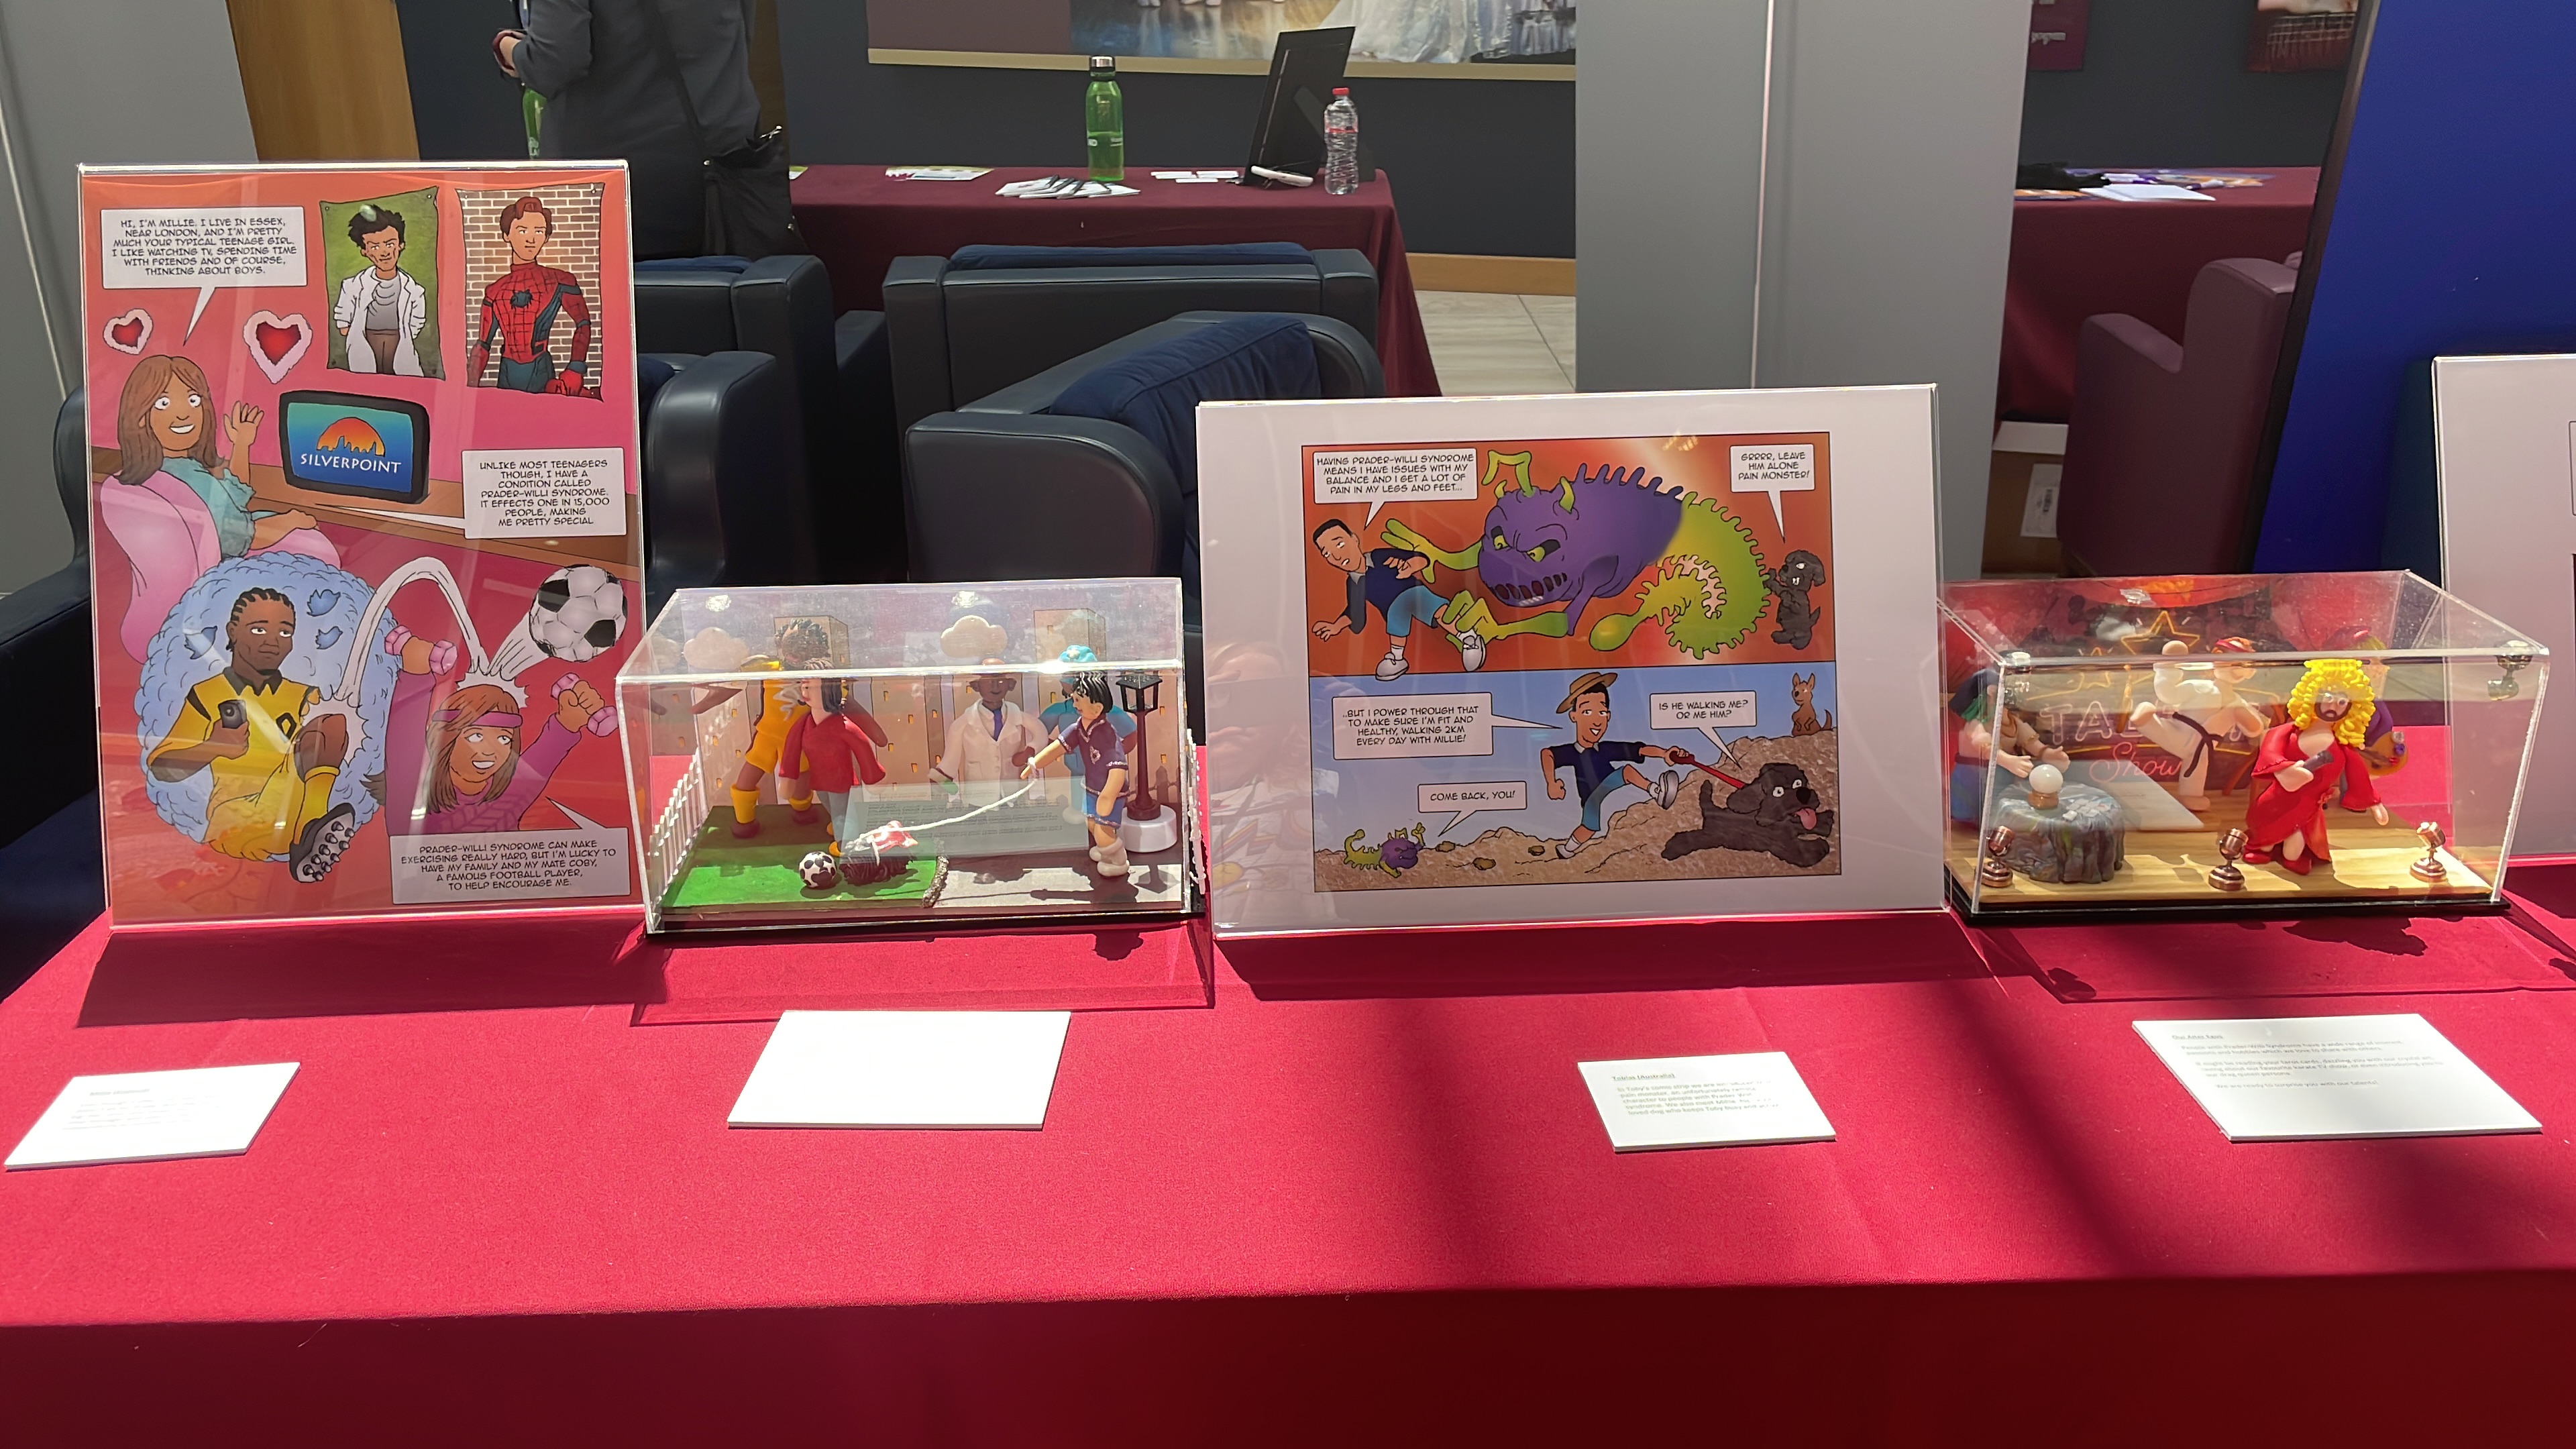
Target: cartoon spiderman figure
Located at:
point(520, 308)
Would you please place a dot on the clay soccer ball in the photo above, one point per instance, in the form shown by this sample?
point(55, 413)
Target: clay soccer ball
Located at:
point(580, 611)
point(820, 870)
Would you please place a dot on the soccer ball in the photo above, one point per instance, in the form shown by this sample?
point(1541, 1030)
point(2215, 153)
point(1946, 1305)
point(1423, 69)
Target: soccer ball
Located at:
point(580, 611)
point(820, 870)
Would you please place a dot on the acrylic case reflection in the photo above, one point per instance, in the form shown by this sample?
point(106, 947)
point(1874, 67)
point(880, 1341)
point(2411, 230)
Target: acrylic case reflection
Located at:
point(2231, 742)
point(830, 756)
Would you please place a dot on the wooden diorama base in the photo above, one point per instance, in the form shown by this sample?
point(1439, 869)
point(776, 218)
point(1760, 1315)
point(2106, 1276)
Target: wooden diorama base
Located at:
point(730, 882)
point(2371, 865)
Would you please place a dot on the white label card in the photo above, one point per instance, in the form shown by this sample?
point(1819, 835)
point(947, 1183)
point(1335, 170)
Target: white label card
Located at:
point(2304, 1077)
point(154, 1116)
point(1664, 1102)
point(905, 1069)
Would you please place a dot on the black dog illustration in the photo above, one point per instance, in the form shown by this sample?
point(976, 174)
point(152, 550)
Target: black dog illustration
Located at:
point(1775, 814)
point(1796, 574)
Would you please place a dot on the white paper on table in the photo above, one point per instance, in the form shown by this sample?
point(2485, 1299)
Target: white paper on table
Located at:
point(154, 1116)
point(2302, 1077)
point(1717, 1101)
point(905, 1069)
point(2146, 191)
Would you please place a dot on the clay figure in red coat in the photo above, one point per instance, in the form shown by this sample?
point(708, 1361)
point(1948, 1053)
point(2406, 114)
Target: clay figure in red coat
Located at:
point(2304, 764)
point(831, 749)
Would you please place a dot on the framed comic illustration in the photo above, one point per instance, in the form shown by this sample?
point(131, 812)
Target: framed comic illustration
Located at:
point(1616, 657)
point(366, 541)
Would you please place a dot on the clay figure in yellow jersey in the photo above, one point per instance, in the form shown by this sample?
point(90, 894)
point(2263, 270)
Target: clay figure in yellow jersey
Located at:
point(776, 706)
point(271, 769)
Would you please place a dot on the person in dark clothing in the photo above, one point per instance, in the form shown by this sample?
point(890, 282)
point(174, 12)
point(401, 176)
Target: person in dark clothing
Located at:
point(608, 93)
point(1387, 578)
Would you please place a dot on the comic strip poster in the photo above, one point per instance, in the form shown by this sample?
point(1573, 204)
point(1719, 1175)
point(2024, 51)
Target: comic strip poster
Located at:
point(366, 546)
point(1606, 665)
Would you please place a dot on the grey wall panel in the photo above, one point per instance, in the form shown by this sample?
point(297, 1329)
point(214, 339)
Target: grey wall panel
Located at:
point(1889, 224)
point(1668, 159)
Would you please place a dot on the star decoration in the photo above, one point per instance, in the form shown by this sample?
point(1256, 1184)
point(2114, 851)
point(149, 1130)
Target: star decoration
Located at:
point(2157, 634)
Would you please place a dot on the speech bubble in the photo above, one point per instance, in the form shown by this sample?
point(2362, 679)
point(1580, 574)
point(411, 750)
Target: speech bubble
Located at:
point(1706, 711)
point(1773, 468)
point(1380, 476)
point(204, 247)
point(544, 492)
point(1467, 799)
point(1418, 726)
point(510, 865)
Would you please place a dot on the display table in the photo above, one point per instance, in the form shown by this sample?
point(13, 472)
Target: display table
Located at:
point(858, 220)
point(2074, 259)
point(1306, 1216)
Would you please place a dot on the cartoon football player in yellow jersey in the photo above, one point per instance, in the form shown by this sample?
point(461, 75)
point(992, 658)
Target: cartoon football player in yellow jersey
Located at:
point(776, 705)
point(271, 772)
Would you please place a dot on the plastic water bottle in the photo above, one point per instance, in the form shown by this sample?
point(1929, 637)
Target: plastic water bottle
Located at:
point(1104, 121)
point(1341, 144)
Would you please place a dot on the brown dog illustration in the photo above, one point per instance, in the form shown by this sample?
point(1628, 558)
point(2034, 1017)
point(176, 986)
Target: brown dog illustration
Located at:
point(1804, 722)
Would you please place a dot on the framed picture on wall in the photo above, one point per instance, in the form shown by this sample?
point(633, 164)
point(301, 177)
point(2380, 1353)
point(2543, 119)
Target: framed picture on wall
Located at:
point(2301, 34)
point(1390, 37)
point(2057, 29)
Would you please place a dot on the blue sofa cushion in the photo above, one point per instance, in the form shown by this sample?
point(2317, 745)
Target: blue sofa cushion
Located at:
point(650, 373)
point(1156, 391)
point(695, 264)
point(1240, 254)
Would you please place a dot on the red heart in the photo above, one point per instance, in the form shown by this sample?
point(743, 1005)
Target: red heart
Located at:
point(127, 334)
point(276, 342)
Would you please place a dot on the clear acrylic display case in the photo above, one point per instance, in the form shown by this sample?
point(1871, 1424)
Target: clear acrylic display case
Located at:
point(2231, 742)
point(755, 719)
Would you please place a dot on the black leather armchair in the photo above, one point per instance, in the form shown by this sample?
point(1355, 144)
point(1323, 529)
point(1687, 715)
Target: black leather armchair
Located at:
point(961, 335)
point(1001, 489)
point(45, 634)
point(724, 501)
point(838, 374)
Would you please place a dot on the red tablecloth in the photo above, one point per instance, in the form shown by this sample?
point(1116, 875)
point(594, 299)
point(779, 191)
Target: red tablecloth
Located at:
point(1375, 1218)
point(858, 221)
point(2073, 259)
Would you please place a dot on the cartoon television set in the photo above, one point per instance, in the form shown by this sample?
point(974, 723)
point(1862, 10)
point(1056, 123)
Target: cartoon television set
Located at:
point(2231, 743)
point(910, 753)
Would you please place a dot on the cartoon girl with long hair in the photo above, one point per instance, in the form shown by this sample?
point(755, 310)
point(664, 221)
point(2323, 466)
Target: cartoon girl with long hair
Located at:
point(175, 506)
point(471, 764)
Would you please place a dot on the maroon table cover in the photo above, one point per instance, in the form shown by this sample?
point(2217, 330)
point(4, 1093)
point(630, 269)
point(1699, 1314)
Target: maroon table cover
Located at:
point(858, 220)
point(1340, 1203)
point(2073, 259)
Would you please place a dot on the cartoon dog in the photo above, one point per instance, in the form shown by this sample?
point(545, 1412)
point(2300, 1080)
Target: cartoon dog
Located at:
point(1798, 614)
point(1804, 721)
point(1776, 814)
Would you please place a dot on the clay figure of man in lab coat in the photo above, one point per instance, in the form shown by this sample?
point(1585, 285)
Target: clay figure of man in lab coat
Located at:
point(990, 740)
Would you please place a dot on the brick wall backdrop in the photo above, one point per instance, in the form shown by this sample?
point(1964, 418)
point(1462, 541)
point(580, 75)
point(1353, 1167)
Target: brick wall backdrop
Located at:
point(574, 248)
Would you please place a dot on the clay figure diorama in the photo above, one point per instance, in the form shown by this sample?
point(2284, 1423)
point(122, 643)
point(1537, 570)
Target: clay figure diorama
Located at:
point(904, 753)
point(2229, 742)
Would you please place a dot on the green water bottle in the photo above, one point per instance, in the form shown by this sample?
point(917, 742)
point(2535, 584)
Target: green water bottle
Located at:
point(532, 111)
point(1104, 121)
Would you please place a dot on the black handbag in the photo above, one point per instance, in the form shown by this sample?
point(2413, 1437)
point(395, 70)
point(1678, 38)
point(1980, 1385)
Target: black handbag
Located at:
point(744, 191)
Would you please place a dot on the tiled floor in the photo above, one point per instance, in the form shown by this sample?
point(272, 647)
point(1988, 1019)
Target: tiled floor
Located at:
point(1489, 342)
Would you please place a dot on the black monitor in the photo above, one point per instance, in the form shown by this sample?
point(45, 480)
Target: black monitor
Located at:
point(1305, 66)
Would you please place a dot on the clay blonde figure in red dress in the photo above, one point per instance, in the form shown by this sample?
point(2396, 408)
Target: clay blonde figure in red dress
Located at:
point(2305, 763)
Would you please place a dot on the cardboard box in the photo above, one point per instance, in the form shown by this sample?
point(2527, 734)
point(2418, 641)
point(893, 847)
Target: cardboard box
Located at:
point(2021, 499)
